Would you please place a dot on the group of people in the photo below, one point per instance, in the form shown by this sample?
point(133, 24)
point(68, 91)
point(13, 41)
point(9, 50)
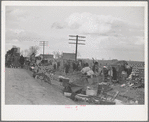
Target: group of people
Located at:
point(117, 73)
point(72, 66)
point(69, 66)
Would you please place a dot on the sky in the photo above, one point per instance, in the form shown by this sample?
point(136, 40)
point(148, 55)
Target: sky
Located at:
point(111, 32)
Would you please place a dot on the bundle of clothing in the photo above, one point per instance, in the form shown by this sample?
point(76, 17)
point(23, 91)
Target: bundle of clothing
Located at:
point(87, 71)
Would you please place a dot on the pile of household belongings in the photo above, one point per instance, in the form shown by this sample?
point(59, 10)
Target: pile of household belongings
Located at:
point(82, 90)
point(43, 73)
point(134, 81)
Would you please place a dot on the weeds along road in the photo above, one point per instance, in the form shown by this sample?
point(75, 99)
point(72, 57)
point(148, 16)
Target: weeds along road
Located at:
point(22, 89)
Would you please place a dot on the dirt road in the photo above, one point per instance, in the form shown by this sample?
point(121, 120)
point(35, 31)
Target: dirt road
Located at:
point(21, 88)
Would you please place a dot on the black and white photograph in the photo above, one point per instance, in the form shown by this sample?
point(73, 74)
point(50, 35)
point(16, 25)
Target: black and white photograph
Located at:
point(75, 55)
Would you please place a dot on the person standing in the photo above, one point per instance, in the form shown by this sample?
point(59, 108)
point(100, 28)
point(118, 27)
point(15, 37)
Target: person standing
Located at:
point(128, 69)
point(114, 73)
point(58, 65)
point(66, 68)
point(105, 73)
point(119, 72)
point(74, 66)
point(21, 61)
point(95, 68)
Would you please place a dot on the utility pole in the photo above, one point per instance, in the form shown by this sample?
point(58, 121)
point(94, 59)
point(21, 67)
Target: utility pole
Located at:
point(43, 43)
point(77, 39)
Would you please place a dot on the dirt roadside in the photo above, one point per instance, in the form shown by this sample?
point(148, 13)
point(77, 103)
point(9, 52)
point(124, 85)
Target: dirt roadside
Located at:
point(22, 89)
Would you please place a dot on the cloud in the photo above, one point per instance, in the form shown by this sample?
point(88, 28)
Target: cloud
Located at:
point(108, 33)
point(18, 12)
point(58, 25)
point(139, 40)
point(106, 36)
point(89, 23)
point(21, 35)
point(15, 14)
point(106, 25)
point(117, 45)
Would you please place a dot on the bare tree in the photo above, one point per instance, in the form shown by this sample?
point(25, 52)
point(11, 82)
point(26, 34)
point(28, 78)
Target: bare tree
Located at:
point(33, 49)
point(26, 52)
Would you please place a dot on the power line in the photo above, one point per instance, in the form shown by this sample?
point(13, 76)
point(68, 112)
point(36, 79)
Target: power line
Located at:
point(75, 40)
point(77, 35)
point(43, 43)
point(76, 43)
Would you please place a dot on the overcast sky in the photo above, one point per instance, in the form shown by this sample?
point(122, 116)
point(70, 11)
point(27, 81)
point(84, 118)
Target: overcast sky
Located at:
point(111, 32)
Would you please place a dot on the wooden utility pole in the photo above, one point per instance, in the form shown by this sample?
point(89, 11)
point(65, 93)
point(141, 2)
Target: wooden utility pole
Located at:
point(77, 39)
point(43, 43)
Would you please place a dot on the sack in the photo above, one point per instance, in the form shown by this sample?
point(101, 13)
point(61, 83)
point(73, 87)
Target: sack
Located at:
point(85, 70)
point(90, 72)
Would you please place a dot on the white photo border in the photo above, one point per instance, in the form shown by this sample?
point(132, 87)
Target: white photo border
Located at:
point(59, 112)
